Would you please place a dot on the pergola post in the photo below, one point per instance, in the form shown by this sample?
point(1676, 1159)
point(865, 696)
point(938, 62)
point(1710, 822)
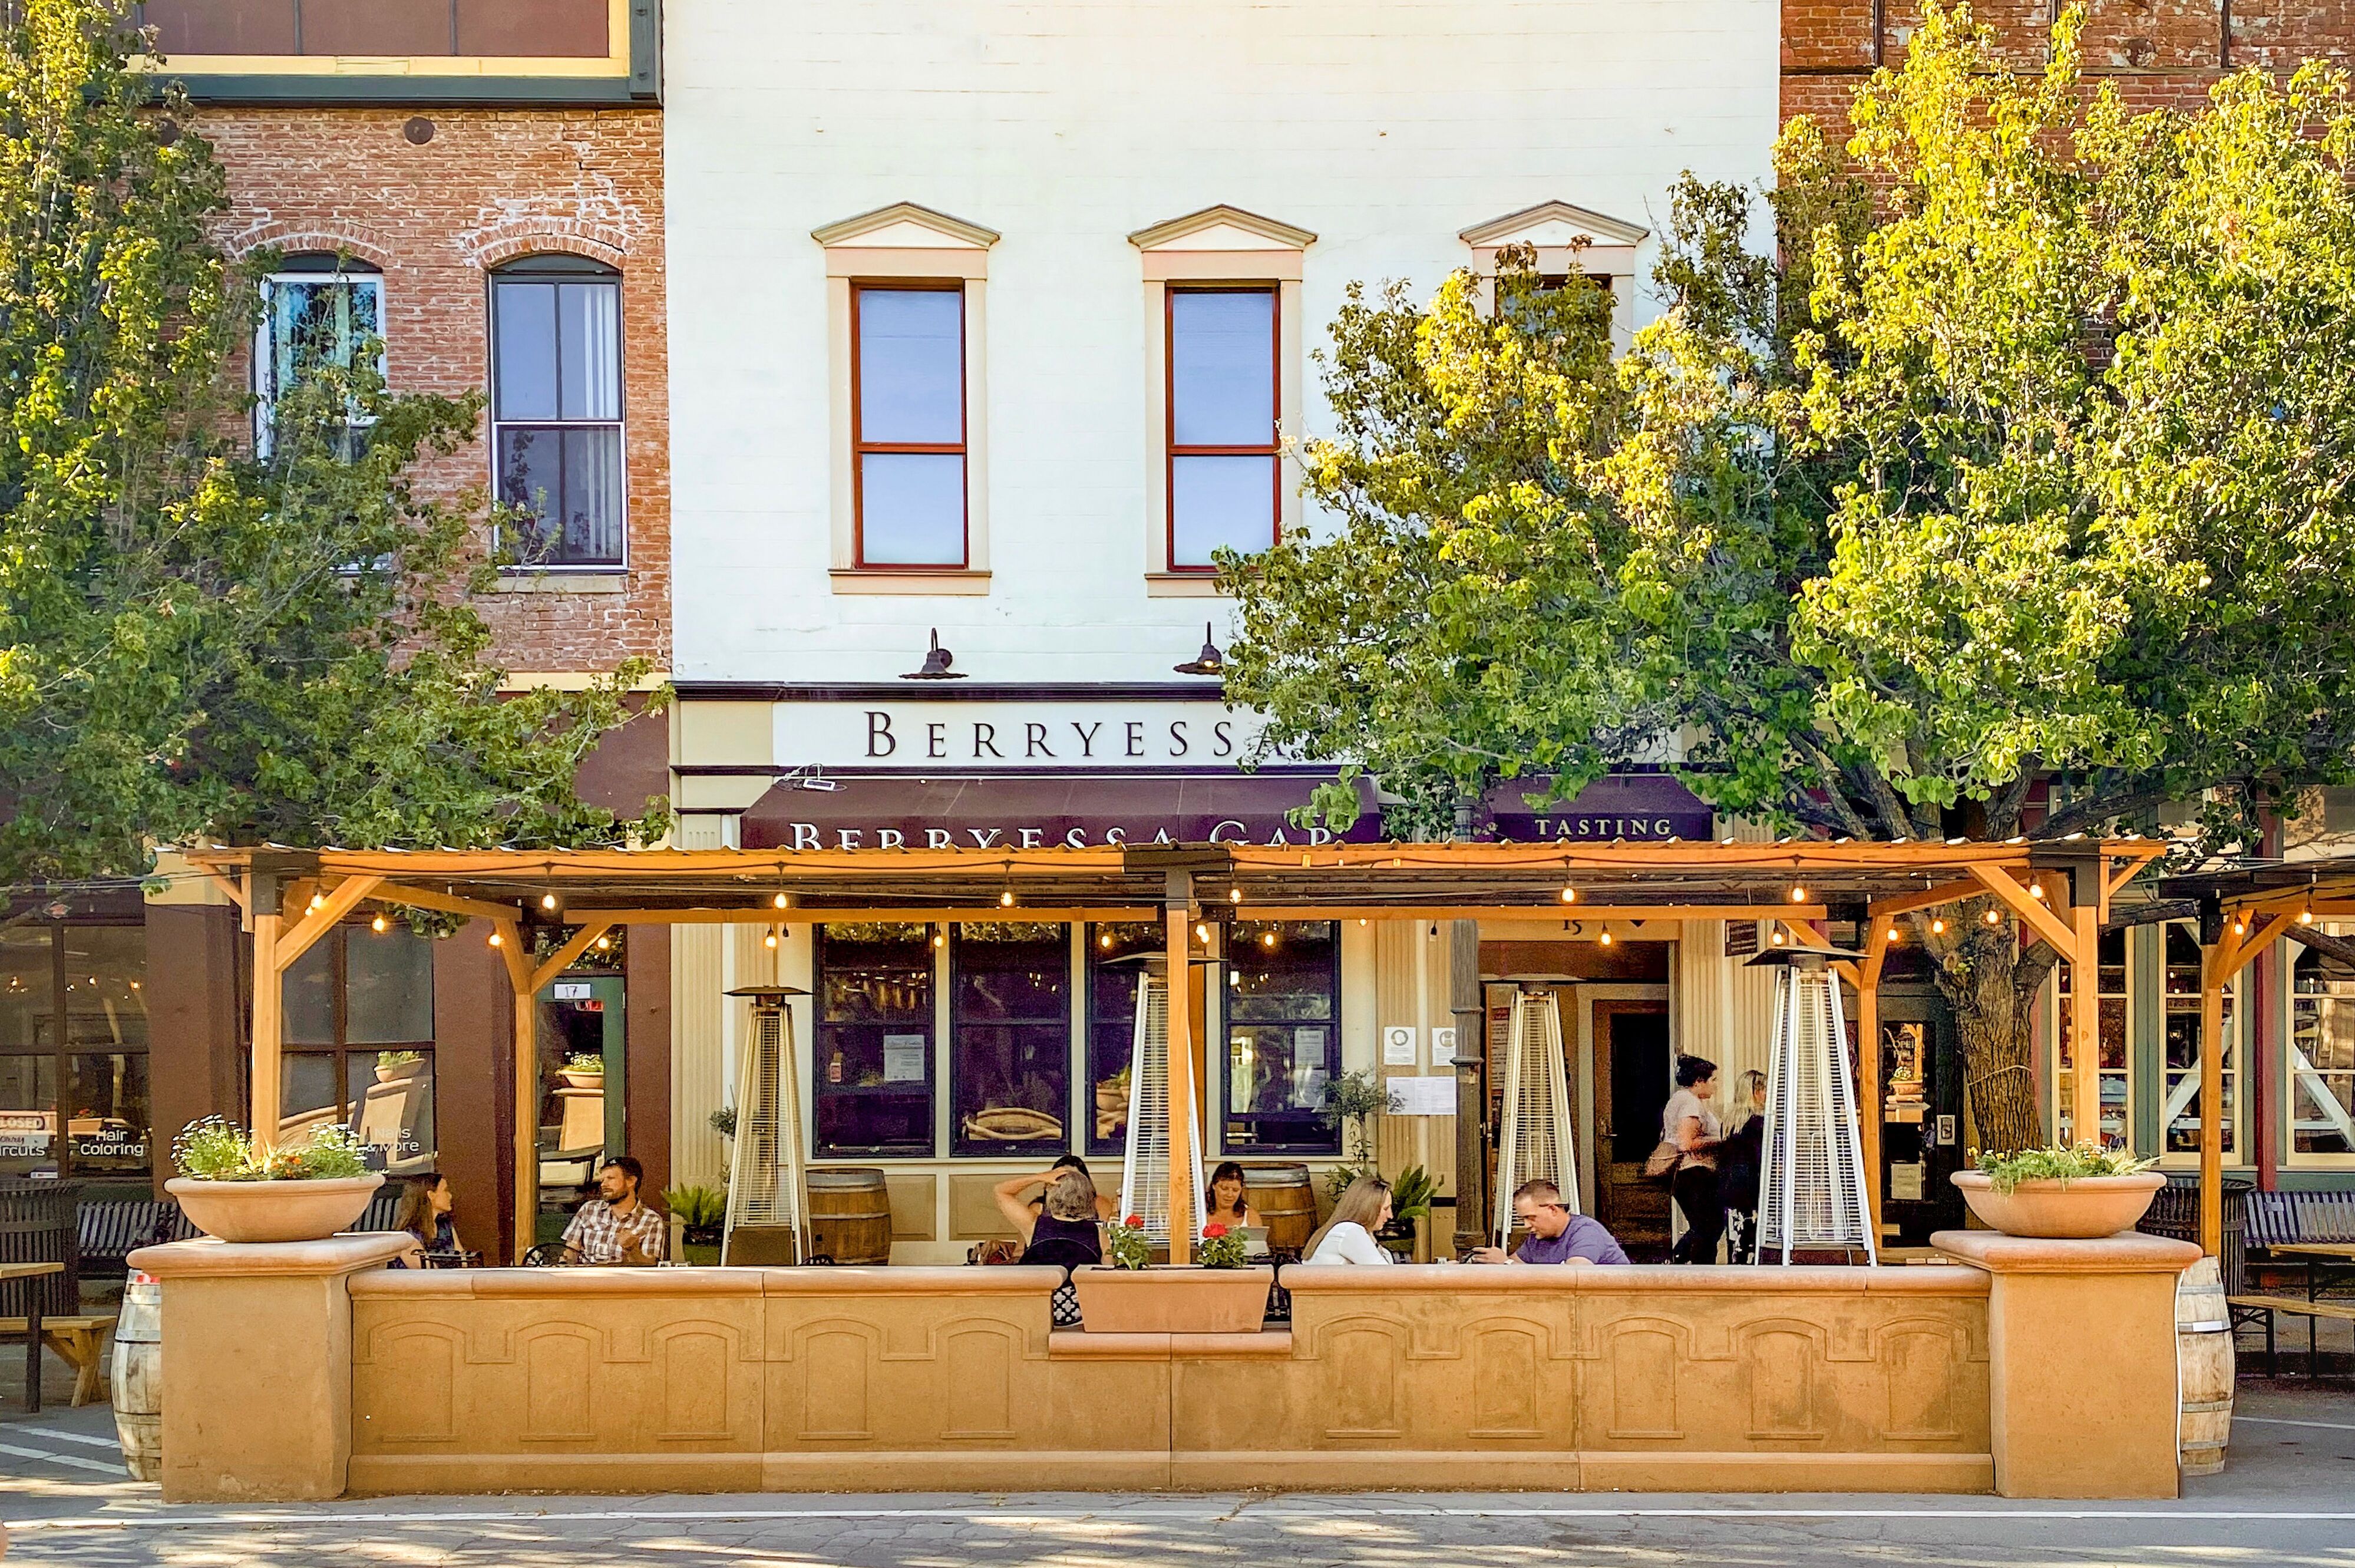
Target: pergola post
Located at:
point(508, 934)
point(1867, 1063)
point(1176, 915)
point(265, 1080)
point(2214, 975)
point(2085, 1021)
point(1471, 1019)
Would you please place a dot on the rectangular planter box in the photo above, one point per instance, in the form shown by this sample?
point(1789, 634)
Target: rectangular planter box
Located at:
point(1191, 1300)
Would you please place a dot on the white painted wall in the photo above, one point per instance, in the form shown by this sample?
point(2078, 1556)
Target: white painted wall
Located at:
point(1385, 126)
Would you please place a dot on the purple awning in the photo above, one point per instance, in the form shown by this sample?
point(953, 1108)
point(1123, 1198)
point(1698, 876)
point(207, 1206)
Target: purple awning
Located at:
point(1033, 811)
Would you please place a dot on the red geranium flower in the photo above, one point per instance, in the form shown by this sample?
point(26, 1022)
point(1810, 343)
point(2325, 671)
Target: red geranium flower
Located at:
point(1135, 1222)
point(1213, 1231)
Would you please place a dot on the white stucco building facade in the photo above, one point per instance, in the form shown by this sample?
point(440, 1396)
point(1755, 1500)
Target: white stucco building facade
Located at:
point(1048, 232)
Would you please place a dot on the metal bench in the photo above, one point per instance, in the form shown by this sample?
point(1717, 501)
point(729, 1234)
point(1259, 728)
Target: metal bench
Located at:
point(2287, 1219)
point(110, 1231)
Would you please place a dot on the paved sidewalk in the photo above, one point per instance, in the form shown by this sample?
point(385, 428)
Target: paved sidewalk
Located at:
point(2287, 1497)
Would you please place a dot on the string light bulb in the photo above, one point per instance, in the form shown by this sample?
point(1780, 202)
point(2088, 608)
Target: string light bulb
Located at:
point(1938, 926)
point(1778, 937)
point(377, 925)
point(318, 902)
point(1995, 917)
point(781, 899)
point(770, 941)
point(497, 940)
point(1799, 895)
point(1606, 939)
point(548, 901)
point(1234, 895)
point(1267, 939)
point(1201, 933)
point(940, 938)
point(2036, 890)
point(1104, 940)
point(1892, 934)
point(1005, 899)
point(1570, 895)
point(604, 944)
point(2239, 928)
point(2306, 917)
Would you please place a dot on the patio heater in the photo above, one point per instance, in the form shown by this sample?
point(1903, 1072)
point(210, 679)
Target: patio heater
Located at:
point(768, 1203)
point(1144, 1167)
point(1535, 1140)
point(1811, 1186)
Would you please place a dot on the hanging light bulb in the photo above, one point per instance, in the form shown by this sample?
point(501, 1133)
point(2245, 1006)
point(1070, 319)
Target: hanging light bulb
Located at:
point(770, 941)
point(1995, 917)
point(783, 899)
point(1570, 895)
point(2239, 928)
point(1778, 936)
point(1892, 933)
point(604, 944)
point(940, 938)
point(1606, 939)
point(1201, 933)
point(1267, 939)
point(548, 901)
point(318, 902)
point(1005, 899)
point(1799, 895)
point(2306, 917)
point(1104, 940)
point(1234, 895)
point(1938, 926)
point(377, 925)
point(2036, 890)
point(497, 940)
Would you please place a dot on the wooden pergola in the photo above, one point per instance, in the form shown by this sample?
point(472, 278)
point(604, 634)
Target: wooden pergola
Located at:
point(2241, 914)
point(2060, 890)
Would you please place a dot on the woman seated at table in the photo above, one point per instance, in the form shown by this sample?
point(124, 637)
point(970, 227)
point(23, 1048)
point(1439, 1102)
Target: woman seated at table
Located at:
point(425, 1215)
point(1226, 1205)
point(1063, 1230)
point(1349, 1236)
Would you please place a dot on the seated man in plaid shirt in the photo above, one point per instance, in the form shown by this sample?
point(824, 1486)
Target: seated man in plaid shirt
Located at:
point(613, 1227)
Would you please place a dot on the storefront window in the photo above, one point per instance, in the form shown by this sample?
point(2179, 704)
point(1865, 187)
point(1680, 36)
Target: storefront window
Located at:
point(874, 1045)
point(1283, 1035)
point(2321, 1057)
point(1112, 1025)
point(73, 1051)
point(365, 998)
point(1010, 1037)
point(2110, 994)
point(2178, 1119)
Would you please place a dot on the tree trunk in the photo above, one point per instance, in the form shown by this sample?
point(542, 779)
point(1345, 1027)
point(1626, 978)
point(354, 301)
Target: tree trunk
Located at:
point(1992, 988)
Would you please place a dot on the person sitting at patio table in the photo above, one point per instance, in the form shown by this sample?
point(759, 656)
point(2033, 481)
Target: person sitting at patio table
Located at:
point(1349, 1236)
point(1022, 1200)
point(613, 1227)
point(424, 1215)
point(1556, 1235)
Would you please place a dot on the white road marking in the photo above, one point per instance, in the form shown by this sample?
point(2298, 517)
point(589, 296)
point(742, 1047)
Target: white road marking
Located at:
point(1223, 1511)
point(111, 1446)
point(78, 1463)
point(2277, 1421)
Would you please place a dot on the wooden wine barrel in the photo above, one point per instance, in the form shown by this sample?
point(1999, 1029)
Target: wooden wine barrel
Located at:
point(1285, 1197)
point(138, 1378)
point(2203, 1355)
point(850, 1215)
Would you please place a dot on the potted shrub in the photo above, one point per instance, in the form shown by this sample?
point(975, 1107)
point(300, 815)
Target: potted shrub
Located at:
point(1221, 1294)
point(391, 1066)
point(305, 1193)
point(582, 1069)
point(2060, 1194)
point(701, 1211)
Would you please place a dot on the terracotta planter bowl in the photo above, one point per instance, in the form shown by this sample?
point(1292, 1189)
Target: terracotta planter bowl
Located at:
point(2083, 1209)
point(1191, 1300)
point(573, 1079)
point(273, 1210)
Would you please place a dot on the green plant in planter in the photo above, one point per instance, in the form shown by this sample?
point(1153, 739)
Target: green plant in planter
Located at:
point(1337, 1180)
point(1221, 1248)
point(585, 1062)
point(1354, 1099)
point(1412, 1193)
point(700, 1210)
point(2058, 1163)
point(723, 1121)
point(1128, 1244)
point(215, 1149)
point(396, 1058)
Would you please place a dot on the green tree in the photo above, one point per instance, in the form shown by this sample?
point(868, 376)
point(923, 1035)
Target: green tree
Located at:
point(198, 640)
point(2031, 466)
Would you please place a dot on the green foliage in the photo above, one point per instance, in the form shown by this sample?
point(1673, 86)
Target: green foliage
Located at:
point(1338, 1178)
point(398, 1058)
point(1128, 1245)
point(198, 641)
point(1412, 1193)
point(1352, 1099)
point(1221, 1248)
point(699, 1209)
point(723, 1121)
point(213, 1150)
point(2058, 1163)
point(585, 1062)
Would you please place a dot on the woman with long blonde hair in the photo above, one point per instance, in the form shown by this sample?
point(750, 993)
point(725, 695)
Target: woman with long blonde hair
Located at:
point(1349, 1236)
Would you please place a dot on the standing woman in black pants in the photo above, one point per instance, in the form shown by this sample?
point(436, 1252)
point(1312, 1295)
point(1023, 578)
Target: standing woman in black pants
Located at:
point(1690, 1122)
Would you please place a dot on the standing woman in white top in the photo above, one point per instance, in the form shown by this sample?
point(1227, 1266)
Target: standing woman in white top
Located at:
point(1690, 1122)
point(1349, 1236)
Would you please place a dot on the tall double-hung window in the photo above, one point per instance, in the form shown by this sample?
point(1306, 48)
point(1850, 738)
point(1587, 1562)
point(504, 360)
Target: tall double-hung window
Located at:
point(1225, 385)
point(318, 311)
point(556, 411)
point(908, 434)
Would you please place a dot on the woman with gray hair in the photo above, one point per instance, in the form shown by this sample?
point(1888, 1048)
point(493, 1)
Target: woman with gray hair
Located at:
point(1065, 1233)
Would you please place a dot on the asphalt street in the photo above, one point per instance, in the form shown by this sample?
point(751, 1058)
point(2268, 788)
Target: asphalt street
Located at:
point(2287, 1497)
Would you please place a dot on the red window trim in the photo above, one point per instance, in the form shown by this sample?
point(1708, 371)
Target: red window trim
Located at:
point(861, 446)
point(1172, 451)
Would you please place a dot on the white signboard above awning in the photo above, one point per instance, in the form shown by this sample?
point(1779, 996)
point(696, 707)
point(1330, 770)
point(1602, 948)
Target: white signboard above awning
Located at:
point(967, 736)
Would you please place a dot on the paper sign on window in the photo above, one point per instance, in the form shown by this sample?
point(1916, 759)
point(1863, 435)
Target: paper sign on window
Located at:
point(1443, 1048)
point(1397, 1045)
point(1434, 1096)
point(903, 1058)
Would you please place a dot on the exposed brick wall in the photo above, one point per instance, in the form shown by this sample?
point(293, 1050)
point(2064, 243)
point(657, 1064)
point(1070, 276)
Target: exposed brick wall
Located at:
point(2160, 53)
point(490, 185)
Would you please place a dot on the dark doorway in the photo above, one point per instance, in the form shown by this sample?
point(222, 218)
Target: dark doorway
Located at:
point(1633, 1080)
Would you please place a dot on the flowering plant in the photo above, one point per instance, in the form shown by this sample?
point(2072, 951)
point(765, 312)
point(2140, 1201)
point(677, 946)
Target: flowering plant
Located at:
point(1221, 1248)
point(1128, 1243)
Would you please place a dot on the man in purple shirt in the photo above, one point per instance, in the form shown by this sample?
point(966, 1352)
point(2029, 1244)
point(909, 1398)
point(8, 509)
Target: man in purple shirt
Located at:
point(1556, 1235)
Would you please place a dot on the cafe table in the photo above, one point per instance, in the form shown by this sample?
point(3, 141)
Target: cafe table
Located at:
point(10, 1274)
